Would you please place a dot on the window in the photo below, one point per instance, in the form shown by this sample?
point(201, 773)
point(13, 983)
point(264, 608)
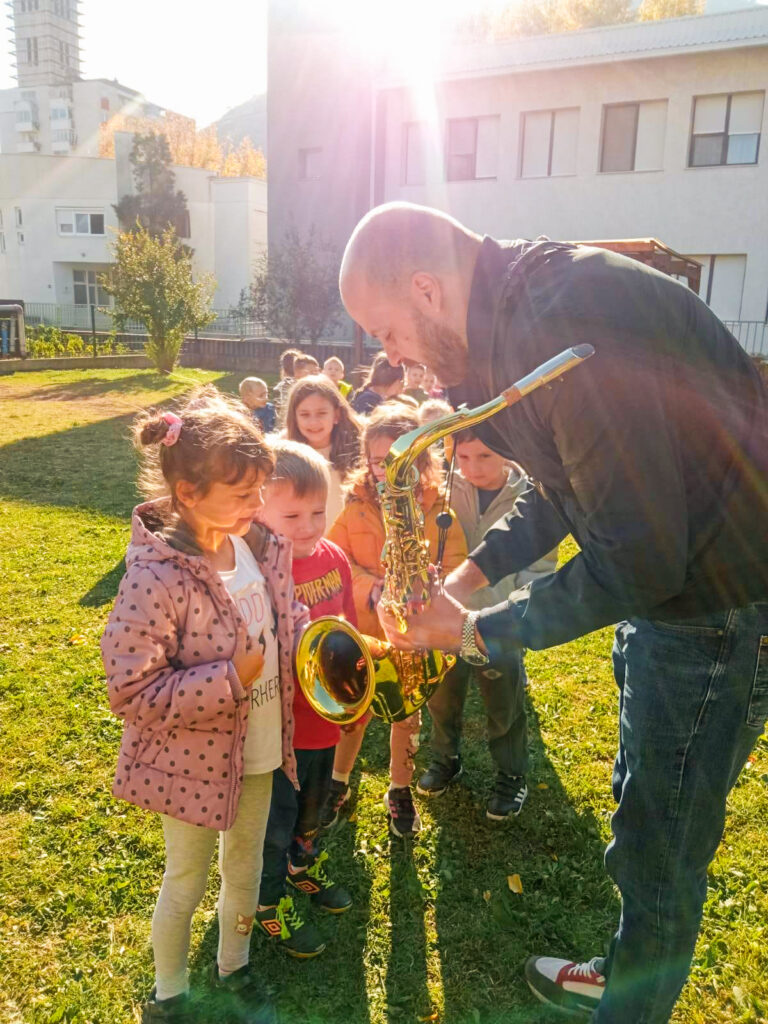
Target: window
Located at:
point(17, 216)
point(413, 154)
point(722, 283)
point(74, 222)
point(31, 50)
point(60, 113)
point(633, 136)
point(726, 129)
point(105, 103)
point(2, 241)
point(472, 148)
point(20, 237)
point(310, 164)
point(549, 143)
point(86, 289)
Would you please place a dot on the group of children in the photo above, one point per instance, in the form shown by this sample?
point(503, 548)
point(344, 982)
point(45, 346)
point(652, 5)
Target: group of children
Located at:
point(245, 538)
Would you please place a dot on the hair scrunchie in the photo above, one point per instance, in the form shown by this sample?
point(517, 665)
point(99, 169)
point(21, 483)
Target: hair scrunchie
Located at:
point(174, 429)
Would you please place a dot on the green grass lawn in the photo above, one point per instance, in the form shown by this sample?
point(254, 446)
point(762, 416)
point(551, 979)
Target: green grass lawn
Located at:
point(435, 933)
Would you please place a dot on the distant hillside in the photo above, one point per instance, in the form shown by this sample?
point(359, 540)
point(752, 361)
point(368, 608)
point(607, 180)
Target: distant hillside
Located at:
point(249, 118)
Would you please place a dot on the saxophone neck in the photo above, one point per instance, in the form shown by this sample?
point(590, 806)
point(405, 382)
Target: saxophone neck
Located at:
point(407, 448)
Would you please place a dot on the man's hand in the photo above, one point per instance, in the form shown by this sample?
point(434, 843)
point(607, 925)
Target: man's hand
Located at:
point(465, 580)
point(436, 627)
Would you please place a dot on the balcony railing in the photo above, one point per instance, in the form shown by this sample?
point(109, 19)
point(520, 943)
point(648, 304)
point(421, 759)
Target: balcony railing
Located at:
point(752, 335)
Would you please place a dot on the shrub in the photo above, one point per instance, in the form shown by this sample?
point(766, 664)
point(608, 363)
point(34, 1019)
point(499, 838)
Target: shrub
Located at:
point(47, 342)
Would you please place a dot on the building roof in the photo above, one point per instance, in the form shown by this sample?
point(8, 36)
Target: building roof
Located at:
point(633, 41)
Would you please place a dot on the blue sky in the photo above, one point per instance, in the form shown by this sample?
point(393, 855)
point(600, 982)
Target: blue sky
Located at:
point(198, 58)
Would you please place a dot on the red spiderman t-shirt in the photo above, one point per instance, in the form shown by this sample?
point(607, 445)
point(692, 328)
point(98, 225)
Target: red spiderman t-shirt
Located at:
point(323, 582)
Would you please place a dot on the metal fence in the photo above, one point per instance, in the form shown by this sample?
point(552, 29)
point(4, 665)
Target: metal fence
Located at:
point(752, 335)
point(227, 324)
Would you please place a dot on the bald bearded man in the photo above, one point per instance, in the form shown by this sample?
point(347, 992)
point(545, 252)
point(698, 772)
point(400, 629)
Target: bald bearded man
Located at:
point(654, 456)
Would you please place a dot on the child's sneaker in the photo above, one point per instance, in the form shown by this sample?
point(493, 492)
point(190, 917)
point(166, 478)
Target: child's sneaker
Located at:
point(338, 795)
point(507, 798)
point(177, 1010)
point(563, 983)
point(285, 923)
point(404, 819)
point(239, 998)
point(439, 776)
point(324, 893)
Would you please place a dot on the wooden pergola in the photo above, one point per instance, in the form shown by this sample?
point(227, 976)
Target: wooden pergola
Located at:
point(655, 254)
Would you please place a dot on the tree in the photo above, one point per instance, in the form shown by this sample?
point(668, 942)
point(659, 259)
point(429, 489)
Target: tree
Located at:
point(656, 10)
point(540, 17)
point(151, 281)
point(188, 145)
point(295, 290)
point(156, 203)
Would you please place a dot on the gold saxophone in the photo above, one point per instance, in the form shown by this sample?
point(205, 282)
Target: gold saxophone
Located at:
point(343, 672)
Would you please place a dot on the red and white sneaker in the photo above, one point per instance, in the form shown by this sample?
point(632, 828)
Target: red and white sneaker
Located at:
point(565, 984)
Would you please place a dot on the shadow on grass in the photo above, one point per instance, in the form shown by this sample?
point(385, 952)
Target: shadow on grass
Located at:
point(331, 987)
point(104, 590)
point(91, 467)
point(91, 386)
point(486, 931)
point(406, 985)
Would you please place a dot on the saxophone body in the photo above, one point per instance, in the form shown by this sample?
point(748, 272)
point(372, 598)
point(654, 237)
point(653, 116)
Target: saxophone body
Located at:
point(344, 673)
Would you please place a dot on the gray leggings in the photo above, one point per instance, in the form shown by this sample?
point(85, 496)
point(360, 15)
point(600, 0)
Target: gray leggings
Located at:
point(189, 849)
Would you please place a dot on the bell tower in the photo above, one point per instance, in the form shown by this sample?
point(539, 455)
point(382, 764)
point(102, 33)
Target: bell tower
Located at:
point(46, 36)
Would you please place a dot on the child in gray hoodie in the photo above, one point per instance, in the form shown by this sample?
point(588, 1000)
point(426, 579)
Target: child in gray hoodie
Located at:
point(485, 489)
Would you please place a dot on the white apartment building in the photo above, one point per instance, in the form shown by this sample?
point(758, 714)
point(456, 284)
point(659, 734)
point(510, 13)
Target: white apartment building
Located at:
point(643, 130)
point(57, 221)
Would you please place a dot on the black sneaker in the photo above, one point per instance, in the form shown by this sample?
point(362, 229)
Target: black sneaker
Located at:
point(577, 988)
point(338, 795)
point(325, 894)
point(240, 998)
point(438, 777)
point(285, 925)
point(177, 1010)
point(507, 798)
point(404, 819)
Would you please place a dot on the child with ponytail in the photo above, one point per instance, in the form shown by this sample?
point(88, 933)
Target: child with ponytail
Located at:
point(198, 654)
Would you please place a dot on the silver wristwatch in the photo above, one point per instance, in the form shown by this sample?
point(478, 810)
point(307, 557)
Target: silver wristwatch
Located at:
point(469, 651)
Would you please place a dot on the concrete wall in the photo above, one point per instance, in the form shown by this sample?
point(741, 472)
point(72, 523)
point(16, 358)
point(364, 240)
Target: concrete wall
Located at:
point(240, 211)
point(702, 210)
point(319, 98)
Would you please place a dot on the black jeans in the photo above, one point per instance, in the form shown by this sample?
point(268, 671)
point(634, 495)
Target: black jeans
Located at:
point(294, 818)
point(502, 686)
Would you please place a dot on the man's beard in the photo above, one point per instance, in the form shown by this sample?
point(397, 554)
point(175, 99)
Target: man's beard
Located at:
point(442, 350)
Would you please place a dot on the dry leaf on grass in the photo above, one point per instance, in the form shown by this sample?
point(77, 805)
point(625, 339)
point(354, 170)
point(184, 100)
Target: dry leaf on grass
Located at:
point(514, 883)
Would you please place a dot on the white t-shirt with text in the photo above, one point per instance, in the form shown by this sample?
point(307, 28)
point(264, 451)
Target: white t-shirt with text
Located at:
point(263, 751)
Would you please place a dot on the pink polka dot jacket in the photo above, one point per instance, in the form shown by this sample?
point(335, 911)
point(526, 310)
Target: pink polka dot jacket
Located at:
point(167, 653)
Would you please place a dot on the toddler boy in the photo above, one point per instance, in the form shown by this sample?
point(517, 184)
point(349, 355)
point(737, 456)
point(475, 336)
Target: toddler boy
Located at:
point(414, 378)
point(255, 395)
point(294, 506)
point(333, 369)
point(485, 488)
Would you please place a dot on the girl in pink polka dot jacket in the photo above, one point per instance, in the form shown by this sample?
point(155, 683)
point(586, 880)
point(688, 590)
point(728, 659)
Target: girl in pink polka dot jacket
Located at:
point(198, 653)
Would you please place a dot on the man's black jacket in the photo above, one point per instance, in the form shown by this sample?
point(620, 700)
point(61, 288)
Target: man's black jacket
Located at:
point(653, 453)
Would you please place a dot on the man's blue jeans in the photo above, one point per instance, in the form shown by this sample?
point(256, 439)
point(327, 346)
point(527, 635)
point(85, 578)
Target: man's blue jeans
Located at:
point(693, 702)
